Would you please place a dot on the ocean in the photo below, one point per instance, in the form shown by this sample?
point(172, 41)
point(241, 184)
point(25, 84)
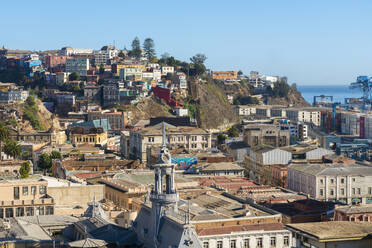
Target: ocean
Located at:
point(339, 92)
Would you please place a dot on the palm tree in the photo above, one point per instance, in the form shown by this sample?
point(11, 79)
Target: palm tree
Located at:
point(12, 148)
point(4, 134)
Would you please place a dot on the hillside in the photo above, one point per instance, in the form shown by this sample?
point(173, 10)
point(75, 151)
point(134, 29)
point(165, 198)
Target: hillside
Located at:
point(293, 98)
point(34, 116)
point(147, 108)
point(212, 110)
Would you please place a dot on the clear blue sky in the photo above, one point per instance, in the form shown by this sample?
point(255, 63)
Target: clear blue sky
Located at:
point(311, 42)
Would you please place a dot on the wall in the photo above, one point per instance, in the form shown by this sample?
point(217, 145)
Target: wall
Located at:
point(76, 195)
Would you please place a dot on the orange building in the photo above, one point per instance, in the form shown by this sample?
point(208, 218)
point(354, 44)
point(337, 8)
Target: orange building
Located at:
point(225, 75)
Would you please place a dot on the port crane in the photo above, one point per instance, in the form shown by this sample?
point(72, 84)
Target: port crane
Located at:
point(364, 83)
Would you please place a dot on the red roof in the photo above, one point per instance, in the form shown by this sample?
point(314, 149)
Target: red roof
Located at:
point(244, 228)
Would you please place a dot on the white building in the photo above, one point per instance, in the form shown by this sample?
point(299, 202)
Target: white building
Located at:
point(167, 69)
point(245, 110)
point(68, 51)
point(181, 111)
point(307, 115)
point(104, 55)
point(62, 78)
point(79, 65)
point(347, 183)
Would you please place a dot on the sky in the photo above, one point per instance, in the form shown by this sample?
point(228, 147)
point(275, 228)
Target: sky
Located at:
point(311, 42)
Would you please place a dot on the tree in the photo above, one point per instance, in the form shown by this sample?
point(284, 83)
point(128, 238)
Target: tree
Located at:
point(221, 138)
point(101, 69)
point(240, 72)
point(198, 63)
point(165, 56)
point(30, 101)
point(148, 47)
point(136, 48)
point(233, 132)
point(121, 54)
point(12, 148)
point(74, 76)
point(55, 155)
point(4, 134)
point(281, 89)
point(45, 161)
point(25, 169)
point(198, 58)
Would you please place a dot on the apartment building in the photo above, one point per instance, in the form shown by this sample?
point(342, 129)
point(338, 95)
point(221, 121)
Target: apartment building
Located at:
point(130, 73)
point(25, 197)
point(346, 183)
point(68, 51)
point(117, 120)
point(266, 134)
point(78, 65)
point(62, 78)
point(189, 138)
point(104, 55)
point(307, 115)
point(115, 68)
point(245, 110)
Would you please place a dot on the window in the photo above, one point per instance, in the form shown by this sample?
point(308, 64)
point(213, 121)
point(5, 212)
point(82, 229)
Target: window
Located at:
point(332, 192)
point(369, 190)
point(353, 180)
point(1, 213)
point(16, 193)
point(29, 211)
point(219, 244)
point(246, 243)
point(42, 189)
point(33, 190)
point(9, 213)
point(358, 191)
point(233, 243)
point(321, 192)
point(332, 181)
point(286, 240)
point(273, 241)
point(342, 191)
point(342, 180)
point(151, 139)
point(49, 210)
point(321, 181)
point(40, 210)
point(353, 191)
point(206, 244)
point(20, 211)
point(25, 190)
point(259, 242)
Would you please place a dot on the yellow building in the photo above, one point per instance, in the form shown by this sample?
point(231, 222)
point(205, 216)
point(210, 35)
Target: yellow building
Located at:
point(91, 136)
point(116, 68)
point(25, 197)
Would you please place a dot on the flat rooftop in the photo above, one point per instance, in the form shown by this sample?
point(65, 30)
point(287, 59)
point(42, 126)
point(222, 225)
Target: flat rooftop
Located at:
point(334, 230)
point(212, 205)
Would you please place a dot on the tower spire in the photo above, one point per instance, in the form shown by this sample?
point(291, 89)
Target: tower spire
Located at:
point(164, 143)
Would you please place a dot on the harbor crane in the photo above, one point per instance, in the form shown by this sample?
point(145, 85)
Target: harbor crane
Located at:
point(364, 83)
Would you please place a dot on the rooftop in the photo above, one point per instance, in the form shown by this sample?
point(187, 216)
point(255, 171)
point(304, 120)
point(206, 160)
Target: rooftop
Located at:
point(334, 230)
point(336, 169)
point(355, 209)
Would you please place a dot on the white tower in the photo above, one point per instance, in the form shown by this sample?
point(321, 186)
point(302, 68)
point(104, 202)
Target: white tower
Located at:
point(164, 195)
